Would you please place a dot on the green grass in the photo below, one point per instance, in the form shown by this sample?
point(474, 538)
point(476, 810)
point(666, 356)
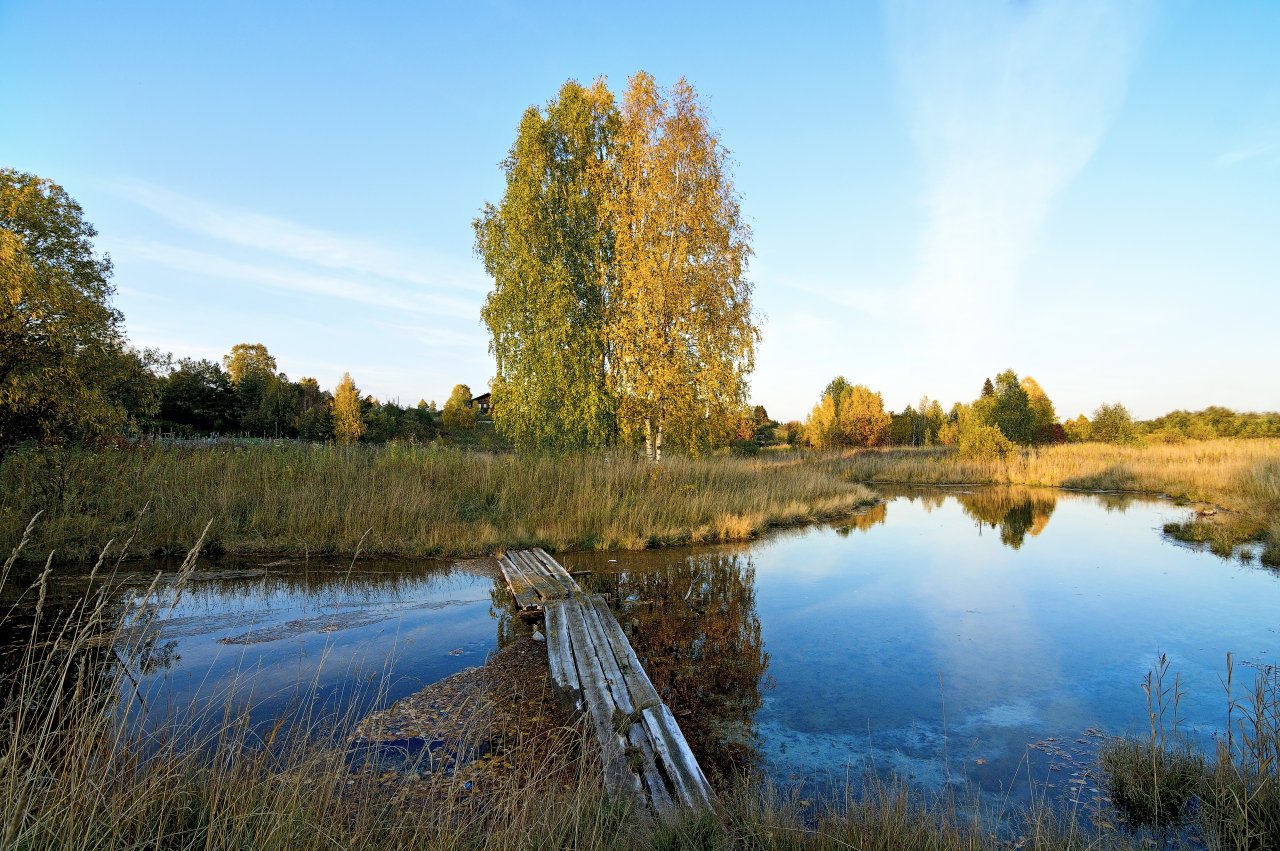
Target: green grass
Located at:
point(402, 500)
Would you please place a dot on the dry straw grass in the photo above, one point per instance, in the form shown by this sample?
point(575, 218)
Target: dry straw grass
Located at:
point(408, 501)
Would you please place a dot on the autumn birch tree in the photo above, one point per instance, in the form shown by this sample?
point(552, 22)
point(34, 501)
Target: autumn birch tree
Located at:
point(348, 419)
point(680, 333)
point(547, 246)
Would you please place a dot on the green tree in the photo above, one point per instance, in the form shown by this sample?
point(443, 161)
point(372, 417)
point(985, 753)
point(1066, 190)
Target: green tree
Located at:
point(61, 341)
point(681, 332)
point(835, 388)
point(313, 418)
point(548, 247)
point(934, 419)
point(902, 427)
point(457, 412)
point(260, 400)
point(979, 439)
point(348, 419)
point(1007, 408)
point(277, 409)
point(198, 397)
point(1078, 430)
point(1112, 424)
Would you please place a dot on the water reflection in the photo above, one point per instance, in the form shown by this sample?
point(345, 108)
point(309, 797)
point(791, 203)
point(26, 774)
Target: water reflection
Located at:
point(266, 638)
point(863, 521)
point(1013, 512)
point(692, 619)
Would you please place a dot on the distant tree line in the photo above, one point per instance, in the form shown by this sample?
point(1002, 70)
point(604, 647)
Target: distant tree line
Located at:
point(246, 394)
point(69, 376)
point(1009, 412)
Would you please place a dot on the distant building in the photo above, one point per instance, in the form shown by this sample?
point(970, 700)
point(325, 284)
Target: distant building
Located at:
point(481, 403)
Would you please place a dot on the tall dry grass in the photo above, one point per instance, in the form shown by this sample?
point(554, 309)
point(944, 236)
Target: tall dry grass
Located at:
point(1242, 476)
point(1231, 798)
point(401, 500)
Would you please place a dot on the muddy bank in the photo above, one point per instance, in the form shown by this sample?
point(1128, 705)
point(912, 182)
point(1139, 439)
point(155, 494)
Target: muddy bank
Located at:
point(475, 733)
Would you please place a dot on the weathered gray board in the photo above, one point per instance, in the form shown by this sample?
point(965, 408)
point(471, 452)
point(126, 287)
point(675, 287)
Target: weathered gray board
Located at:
point(534, 578)
point(593, 664)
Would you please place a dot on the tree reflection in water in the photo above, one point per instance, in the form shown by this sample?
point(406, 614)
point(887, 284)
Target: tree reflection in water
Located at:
point(692, 620)
point(1015, 512)
point(863, 521)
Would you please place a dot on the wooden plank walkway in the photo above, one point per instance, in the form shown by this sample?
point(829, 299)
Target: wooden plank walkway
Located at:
point(593, 664)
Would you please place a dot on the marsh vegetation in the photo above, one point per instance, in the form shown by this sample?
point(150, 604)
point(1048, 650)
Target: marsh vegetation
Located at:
point(402, 500)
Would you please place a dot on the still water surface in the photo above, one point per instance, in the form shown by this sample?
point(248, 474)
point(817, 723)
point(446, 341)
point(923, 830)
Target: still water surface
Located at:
point(982, 636)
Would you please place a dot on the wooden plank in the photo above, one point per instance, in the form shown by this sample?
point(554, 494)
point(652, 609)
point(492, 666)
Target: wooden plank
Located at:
point(680, 784)
point(564, 672)
point(591, 660)
point(546, 586)
point(643, 694)
point(557, 570)
point(691, 784)
point(659, 795)
point(537, 575)
point(647, 768)
point(518, 584)
point(600, 706)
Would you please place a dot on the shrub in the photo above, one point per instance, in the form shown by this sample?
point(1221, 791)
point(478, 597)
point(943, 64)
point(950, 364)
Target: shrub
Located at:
point(984, 442)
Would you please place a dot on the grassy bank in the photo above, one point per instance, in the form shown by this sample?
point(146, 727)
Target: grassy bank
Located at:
point(1241, 476)
point(401, 501)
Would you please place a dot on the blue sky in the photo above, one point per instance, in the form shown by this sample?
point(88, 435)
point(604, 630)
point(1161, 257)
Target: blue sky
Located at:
point(1086, 192)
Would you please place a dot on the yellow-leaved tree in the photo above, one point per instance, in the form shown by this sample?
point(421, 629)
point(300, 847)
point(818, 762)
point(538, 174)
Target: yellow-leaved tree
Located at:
point(680, 331)
point(863, 419)
point(848, 416)
point(348, 419)
point(458, 412)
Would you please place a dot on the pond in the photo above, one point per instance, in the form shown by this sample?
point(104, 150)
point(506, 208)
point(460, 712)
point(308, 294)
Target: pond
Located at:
point(983, 637)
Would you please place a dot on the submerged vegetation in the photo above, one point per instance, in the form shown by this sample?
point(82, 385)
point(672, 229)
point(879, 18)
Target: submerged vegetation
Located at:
point(402, 500)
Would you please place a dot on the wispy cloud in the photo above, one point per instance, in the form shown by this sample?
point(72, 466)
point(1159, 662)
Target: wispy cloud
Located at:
point(294, 280)
point(1265, 148)
point(1006, 102)
point(354, 253)
point(437, 335)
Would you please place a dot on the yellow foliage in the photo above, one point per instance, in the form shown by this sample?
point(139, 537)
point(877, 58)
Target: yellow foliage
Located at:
point(348, 420)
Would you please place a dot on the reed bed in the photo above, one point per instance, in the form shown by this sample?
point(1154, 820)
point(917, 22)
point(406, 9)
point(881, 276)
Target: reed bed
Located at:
point(403, 500)
point(1228, 799)
point(1241, 476)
